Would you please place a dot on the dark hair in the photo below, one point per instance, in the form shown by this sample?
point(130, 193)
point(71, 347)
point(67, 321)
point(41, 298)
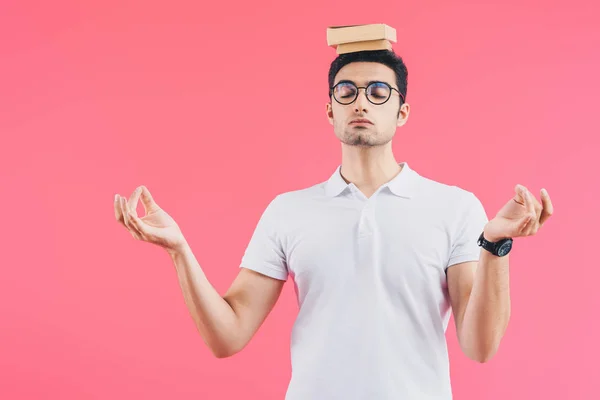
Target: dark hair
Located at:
point(385, 57)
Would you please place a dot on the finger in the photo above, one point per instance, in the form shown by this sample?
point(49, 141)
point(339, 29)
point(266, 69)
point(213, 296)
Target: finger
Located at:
point(530, 203)
point(523, 224)
point(145, 231)
point(520, 194)
point(537, 206)
point(548, 208)
point(147, 200)
point(136, 226)
point(124, 212)
point(129, 220)
point(133, 200)
point(117, 207)
point(135, 234)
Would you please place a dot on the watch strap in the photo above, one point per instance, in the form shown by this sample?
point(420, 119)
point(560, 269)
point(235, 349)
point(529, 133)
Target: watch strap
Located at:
point(493, 247)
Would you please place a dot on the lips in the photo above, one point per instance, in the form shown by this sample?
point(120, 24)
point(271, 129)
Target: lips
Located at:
point(361, 121)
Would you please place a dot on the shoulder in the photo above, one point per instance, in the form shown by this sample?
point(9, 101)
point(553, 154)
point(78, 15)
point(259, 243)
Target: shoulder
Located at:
point(454, 204)
point(299, 197)
point(451, 196)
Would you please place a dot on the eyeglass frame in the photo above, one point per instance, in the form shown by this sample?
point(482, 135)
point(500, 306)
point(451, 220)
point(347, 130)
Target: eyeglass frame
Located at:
point(331, 91)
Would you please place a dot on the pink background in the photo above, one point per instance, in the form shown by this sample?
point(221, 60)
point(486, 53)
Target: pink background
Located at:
point(218, 107)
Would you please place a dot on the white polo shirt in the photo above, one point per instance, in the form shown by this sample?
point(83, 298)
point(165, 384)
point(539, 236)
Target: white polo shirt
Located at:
point(370, 280)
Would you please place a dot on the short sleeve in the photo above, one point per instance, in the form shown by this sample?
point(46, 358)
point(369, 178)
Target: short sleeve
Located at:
point(470, 223)
point(264, 253)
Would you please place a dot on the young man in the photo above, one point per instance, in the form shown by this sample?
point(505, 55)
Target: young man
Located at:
point(379, 257)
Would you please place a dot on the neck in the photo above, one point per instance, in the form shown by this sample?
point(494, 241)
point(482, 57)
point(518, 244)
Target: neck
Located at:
point(368, 167)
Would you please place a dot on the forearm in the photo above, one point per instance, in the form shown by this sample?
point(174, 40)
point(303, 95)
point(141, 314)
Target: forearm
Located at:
point(214, 318)
point(488, 310)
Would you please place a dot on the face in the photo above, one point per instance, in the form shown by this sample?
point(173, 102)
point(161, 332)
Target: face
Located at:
point(384, 118)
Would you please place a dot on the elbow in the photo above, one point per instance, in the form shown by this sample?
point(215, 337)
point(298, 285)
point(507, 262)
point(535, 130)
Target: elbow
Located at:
point(484, 354)
point(220, 346)
point(481, 347)
point(225, 351)
point(221, 353)
point(483, 358)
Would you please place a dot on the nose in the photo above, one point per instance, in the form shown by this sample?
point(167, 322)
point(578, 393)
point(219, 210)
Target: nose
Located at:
point(361, 100)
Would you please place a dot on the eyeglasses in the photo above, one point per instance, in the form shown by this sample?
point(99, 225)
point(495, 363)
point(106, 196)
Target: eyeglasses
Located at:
point(377, 92)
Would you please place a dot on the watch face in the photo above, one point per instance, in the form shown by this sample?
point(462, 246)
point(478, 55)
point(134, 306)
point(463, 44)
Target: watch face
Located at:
point(505, 248)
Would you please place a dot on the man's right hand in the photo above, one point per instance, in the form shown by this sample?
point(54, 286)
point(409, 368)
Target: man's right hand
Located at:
point(226, 323)
point(156, 226)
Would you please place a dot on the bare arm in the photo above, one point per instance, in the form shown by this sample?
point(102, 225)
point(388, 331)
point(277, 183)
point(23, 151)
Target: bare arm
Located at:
point(226, 324)
point(479, 293)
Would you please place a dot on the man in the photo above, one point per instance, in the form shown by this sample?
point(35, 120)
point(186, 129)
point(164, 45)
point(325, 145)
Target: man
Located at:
point(379, 256)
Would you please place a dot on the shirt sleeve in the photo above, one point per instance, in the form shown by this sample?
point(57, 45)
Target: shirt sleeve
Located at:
point(471, 222)
point(264, 253)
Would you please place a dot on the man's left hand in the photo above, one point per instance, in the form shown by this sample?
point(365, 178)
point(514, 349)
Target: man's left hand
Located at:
point(523, 215)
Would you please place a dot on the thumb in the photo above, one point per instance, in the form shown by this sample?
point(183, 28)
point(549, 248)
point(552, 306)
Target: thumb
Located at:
point(147, 200)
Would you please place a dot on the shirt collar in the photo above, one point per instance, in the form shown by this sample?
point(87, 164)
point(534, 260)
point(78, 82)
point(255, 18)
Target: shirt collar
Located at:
point(401, 185)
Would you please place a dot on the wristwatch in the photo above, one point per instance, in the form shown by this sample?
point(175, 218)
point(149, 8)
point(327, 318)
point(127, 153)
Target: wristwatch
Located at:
point(500, 248)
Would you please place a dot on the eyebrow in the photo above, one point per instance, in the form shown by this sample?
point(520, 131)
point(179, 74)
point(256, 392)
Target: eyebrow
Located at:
point(354, 83)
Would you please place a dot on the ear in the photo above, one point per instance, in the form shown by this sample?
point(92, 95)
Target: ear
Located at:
point(403, 114)
point(329, 111)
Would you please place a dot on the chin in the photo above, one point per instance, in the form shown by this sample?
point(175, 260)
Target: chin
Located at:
point(359, 140)
point(365, 140)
